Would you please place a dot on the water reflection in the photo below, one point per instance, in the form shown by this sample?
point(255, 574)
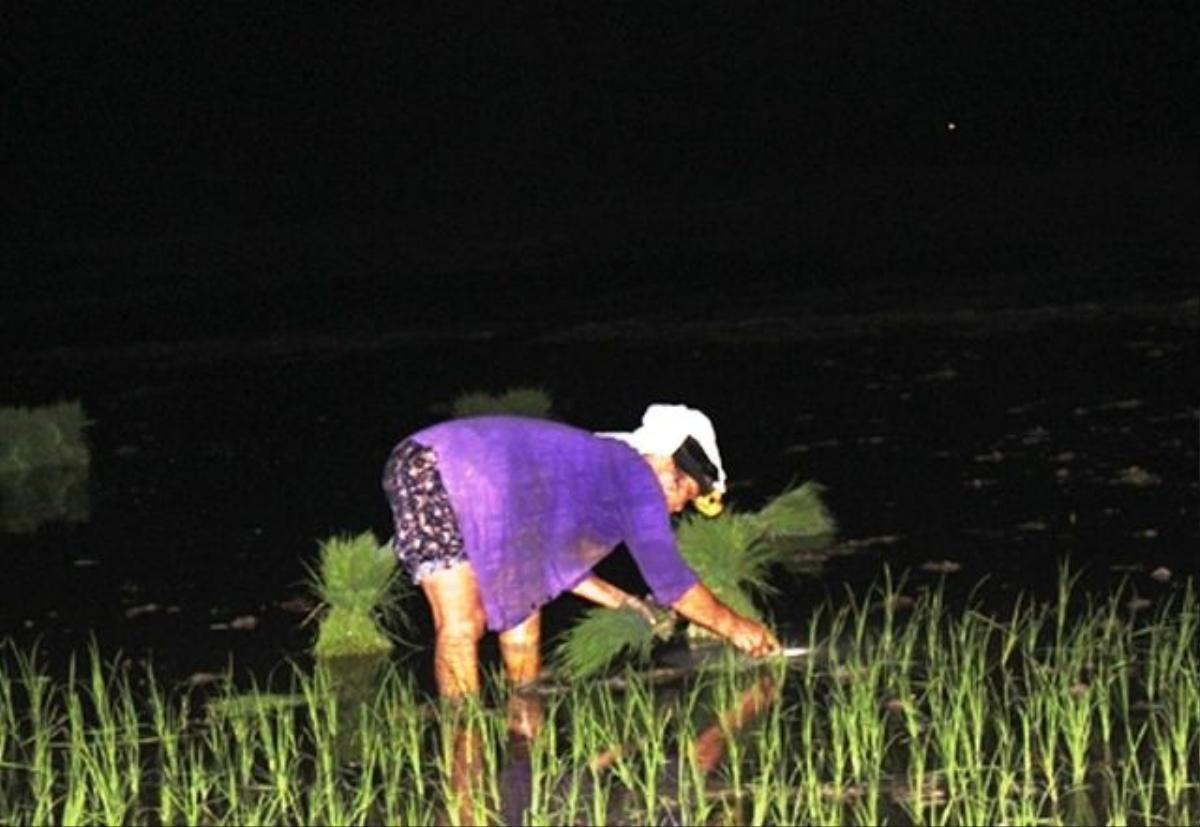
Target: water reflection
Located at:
point(33, 498)
point(516, 780)
point(354, 682)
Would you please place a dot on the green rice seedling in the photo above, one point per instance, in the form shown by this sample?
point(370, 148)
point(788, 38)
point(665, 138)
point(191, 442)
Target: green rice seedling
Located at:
point(592, 743)
point(1172, 636)
point(363, 795)
point(528, 402)
point(276, 743)
point(398, 733)
point(356, 579)
point(407, 737)
point(587, 788)
point(693, 805)
point(769, 746)
point(168, 723)
point(44, 725)
point(955, 735)
point(1174, 726)
point(231, 736)
point(1110, 675)
point(1077, 704)
point(330, 741)
point(80, 767)
point(104, 762)
point(198, 787)
point(8, 729)
point(652, 724)
point(468, 762)
point(726, 691)
point(545, 771)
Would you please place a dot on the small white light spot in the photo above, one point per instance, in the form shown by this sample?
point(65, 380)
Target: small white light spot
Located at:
point(951, 126)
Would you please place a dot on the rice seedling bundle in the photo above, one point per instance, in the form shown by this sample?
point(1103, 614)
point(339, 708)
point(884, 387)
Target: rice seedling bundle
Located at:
point(356, 580)
point(602, 636)
point(345, 632)
point(795, 516)
point(528, 402)
point(728, 556)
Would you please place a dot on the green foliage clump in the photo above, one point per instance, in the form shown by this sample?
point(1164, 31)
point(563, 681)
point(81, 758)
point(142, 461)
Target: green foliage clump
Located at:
point(357, 580)
point(729, 557)
point(600, 637)
point(50, 436)
point(795, 518)
point(529, 402)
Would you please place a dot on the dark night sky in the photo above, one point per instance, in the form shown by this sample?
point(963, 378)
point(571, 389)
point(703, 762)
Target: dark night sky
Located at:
point(443, 123)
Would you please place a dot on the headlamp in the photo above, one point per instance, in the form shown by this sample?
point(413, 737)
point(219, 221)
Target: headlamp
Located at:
point(709, 504)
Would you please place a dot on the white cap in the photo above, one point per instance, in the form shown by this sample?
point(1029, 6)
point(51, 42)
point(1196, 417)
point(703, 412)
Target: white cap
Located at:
point(664, 429)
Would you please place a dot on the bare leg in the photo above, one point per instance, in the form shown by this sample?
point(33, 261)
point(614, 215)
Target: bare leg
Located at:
point(520, 649)
point(459, 622)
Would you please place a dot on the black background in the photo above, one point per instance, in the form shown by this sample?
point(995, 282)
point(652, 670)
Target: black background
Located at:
point(166, 160)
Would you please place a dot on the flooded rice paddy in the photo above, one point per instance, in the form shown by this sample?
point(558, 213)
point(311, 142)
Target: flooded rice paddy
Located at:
point(969, 456)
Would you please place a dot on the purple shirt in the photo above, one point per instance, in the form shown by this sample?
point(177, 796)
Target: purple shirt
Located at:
point(539, 504)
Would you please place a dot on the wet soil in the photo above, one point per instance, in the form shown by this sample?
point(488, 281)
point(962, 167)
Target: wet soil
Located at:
point(961, 443)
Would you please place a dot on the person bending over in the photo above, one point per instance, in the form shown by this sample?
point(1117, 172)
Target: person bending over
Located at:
point(495, 516)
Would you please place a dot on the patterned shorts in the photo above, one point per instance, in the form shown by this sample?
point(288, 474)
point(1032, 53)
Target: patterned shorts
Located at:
point(427, 537)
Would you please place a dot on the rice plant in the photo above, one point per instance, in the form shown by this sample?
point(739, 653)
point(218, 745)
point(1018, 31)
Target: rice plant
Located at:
point(356, 580)
point(528, 402)
point(797, 517)
point(987, 726)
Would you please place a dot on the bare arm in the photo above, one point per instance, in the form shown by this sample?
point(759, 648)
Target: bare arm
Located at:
point(699, 605)
point(603, 593)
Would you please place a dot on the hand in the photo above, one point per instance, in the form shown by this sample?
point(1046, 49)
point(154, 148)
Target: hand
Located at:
point(639, 606)
point(753, 638)
point(661, 619)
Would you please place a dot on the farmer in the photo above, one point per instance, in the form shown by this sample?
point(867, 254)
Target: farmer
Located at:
point(496, 516)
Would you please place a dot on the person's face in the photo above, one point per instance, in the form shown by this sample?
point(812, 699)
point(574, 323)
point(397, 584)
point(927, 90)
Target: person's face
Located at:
point(677, 487)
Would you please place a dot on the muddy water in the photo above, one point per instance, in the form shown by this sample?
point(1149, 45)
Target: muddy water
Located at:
point(964, 451)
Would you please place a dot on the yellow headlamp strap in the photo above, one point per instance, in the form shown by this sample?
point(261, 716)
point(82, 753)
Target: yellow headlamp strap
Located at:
point(709, 504)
